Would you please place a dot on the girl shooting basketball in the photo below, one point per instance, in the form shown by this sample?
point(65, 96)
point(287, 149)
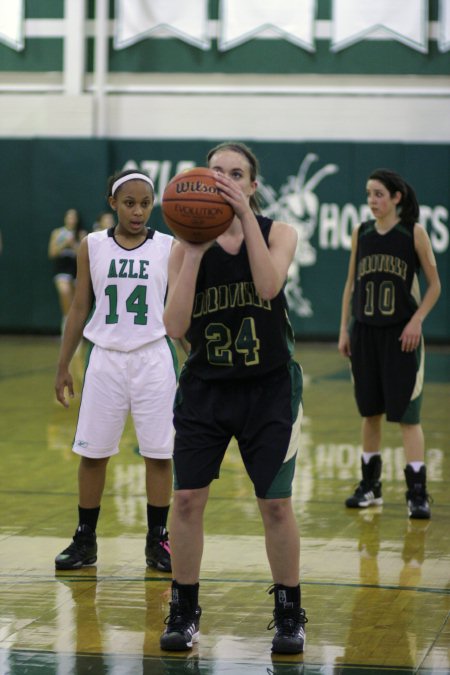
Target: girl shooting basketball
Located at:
point(241, 353)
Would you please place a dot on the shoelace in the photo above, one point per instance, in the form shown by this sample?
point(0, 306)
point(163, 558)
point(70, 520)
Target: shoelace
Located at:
point(289, 618)
point(420, 499)
point(293, 617)
point(178, 616)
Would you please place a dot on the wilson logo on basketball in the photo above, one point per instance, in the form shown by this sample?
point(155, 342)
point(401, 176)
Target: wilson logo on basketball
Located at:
point(193, 208)
point(197, 186)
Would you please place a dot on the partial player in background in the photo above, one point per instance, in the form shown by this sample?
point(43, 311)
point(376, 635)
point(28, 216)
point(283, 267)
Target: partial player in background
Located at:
point(239, 380)
point(104, 221)
point(118, 307)
point(381, 332)
point(62, 250)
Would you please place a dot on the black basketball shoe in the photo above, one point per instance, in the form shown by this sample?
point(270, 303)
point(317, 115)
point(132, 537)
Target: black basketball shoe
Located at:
point(82, 551)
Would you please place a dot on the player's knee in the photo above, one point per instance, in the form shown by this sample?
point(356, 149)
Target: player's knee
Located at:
point(277, 511)
point(188, 504)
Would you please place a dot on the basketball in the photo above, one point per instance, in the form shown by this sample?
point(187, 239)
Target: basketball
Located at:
point(193, 208)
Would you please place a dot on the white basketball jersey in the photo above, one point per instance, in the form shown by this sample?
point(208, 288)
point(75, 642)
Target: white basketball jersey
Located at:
point(129, 287)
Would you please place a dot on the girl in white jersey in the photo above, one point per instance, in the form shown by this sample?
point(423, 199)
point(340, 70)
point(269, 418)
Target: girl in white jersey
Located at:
point(118, 308)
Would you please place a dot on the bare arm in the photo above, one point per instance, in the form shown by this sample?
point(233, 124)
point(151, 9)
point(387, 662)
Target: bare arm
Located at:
point(269, 264)
point(184, 345)
point(344, 335)
point(76, 319)
point(184, 263)
point(412, 332)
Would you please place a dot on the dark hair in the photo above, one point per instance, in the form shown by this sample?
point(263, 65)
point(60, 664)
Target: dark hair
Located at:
point(393, 182)
point(244, 150)
point(120, 174)
point(79, 228)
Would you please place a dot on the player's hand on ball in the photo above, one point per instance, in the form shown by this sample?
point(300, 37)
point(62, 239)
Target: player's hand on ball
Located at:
point(233, 194)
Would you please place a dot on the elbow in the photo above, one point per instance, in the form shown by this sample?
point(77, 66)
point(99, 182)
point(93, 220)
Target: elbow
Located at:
point(268, 292)
point(174, 334)
point(174, 329)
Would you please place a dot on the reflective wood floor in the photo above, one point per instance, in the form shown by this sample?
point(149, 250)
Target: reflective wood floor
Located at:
point(375, 585)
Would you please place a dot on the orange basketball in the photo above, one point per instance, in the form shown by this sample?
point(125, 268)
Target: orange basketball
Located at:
point(193, 208)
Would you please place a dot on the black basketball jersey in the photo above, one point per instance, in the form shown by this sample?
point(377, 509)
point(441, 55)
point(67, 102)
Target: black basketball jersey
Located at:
point(386, 288)
point(233, 332)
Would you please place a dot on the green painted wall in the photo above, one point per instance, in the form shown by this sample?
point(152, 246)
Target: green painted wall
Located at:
point(319, 187)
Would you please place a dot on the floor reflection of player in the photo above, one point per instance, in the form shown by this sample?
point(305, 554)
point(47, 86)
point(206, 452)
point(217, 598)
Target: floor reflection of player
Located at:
point(86, 625)
point(413, 553)
point(284, 668)
point(366, 637)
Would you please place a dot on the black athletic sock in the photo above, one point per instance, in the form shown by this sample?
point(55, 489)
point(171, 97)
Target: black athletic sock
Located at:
point(287, 596)
point(156, 516)
point(186, 592)
point(88, 517)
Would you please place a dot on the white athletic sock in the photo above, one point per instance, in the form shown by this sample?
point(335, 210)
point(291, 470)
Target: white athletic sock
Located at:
point(368, 455)
point(416, 466)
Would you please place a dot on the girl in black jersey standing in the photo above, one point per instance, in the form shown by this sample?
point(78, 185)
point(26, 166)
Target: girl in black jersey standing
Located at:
point(385, 342)
point(63, 247)
point(227, 298)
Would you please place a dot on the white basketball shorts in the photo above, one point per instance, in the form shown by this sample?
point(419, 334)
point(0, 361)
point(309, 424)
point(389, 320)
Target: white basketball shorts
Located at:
point(141, 382)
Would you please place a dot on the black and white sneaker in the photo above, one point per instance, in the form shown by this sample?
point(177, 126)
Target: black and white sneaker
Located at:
point(365, 495)
point(368, 492)
point(289, 626)
point(157, 550)
point(417, 498)
point(81, 552)
point(183, 628)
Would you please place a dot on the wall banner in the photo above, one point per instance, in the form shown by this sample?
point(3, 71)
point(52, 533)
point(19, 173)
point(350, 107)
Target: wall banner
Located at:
point(138, 19)
point(293, 20)
point(12, 18)
point(444, 25)
point(403, 20)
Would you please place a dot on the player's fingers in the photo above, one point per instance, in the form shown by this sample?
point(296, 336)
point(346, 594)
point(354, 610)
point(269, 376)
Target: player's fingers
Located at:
point(60, 396)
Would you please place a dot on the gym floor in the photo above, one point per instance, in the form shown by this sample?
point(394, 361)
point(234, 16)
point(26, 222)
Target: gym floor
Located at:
point(375, 585)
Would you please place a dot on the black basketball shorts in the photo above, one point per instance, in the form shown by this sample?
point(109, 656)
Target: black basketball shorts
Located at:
point(263, 414)
point(386, 380)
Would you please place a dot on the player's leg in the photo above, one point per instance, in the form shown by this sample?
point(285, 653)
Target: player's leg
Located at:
point(91, 481)
point(417, 497)
point(269, 440)
point(152, 391)
point(403, 405)
point(158, 479)
point(82, 550)
point(199, 448)
point(186, 527)
point(368, 491)
point(283, 552)
point(102, 415)
point(368, 389)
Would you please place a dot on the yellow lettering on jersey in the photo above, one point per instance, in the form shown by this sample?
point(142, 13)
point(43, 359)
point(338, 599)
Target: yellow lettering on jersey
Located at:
point(217, 298)
point(381, 262)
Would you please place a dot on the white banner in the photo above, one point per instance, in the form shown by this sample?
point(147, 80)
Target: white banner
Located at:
point(12, 14)
point(404, 20)
point(185, 19)
point(444, 25)
point(241, 20)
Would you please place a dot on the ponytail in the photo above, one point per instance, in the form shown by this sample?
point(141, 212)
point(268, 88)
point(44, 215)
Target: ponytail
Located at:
point(408, 207)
